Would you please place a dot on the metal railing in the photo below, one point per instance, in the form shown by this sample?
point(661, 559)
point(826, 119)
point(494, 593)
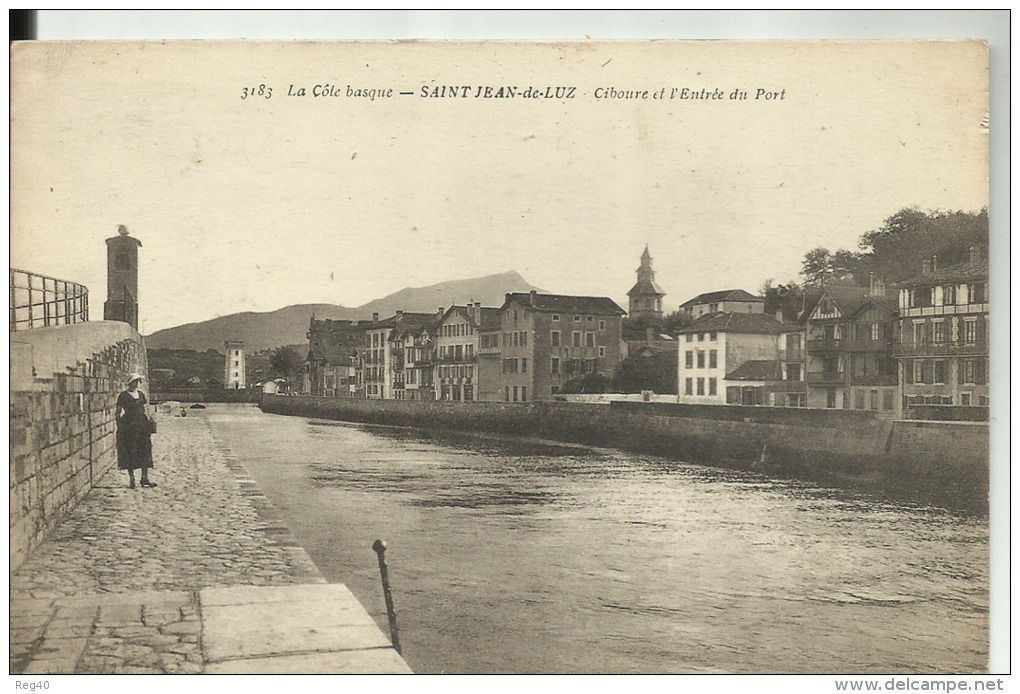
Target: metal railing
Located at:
point(38, 301)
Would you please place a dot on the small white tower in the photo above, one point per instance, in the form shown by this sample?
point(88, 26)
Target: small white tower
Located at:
point(233, 372)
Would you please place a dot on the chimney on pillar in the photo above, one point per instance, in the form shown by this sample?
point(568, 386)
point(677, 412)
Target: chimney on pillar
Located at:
point(533, 296)
point(934, 263)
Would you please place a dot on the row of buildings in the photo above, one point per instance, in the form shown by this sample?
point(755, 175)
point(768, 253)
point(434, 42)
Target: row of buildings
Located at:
point(924, 345)
point(865, 348)
point(524, 350)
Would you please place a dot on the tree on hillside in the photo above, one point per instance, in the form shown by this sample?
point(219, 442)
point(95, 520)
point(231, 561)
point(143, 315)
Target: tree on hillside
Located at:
point(587, 383)
point(894, 251)
point(821, 267)
point(788, 298)
point(286, 362)
point(656, 372)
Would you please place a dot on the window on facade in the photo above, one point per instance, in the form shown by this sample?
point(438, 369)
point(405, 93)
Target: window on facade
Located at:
point(590, 319)
point(876, 331)
point(712, 386)
point(977, 293)
point(918, 371)
point(589, 339)
point(575, 339)
point(949, 294)
point(524, 365)
point(793, 372)
point(712, 308)
point(602, 352)
point(874, 400)
point(516, 393)
point(713, 359)
point(689, 359)
point(577, 319)
point(920, 297)
point(919, 333)
point(701, 359)
point(938, 331)
point(859, 400)
point(555, 338)
point(688, 386)
point(524, 339)
point(506, 393)
point(555, 367)
point(602, 325)
point(701, 386)
point(712, 336)
point(524, 393)
point(556, 317)
point(701, 337)
point(970, 331)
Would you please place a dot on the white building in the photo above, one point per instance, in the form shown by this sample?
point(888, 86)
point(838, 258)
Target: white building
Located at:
point(233, 371)
point(715, 347)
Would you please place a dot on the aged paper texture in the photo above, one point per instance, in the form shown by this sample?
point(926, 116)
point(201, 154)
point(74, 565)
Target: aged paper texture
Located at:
point(262, 175)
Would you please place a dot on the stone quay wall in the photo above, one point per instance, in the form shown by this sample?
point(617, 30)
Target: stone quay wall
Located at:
point(945, 463)
point(64, 386)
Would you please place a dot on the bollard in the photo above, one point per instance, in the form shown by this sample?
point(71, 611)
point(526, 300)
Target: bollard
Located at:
point(380, 549)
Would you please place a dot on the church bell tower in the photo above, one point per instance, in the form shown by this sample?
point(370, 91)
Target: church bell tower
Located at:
point(646, 295)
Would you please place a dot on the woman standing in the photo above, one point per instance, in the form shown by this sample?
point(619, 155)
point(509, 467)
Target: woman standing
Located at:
point(134, 447)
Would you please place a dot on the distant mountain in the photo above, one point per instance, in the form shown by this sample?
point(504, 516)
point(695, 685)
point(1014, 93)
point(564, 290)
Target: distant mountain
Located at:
point(285, 326)
point(289, 325)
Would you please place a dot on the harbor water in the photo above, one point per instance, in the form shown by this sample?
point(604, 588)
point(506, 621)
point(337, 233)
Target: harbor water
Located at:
point(510, 556)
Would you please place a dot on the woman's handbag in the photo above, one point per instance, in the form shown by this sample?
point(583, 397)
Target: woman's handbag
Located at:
point(152, 425)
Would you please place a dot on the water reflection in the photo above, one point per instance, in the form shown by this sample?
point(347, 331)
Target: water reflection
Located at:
point(531, 556)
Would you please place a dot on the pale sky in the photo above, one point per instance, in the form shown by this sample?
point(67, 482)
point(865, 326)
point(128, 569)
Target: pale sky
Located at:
point(255, 204)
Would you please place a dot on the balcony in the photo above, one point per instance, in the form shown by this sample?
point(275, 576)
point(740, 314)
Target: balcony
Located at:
point(452, 359)
point(939, 349)
point(816, 345)
point(874, 380)
point(826, 378)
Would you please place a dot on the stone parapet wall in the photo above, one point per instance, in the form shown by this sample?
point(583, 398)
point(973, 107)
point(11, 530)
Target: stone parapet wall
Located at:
point(62, 426)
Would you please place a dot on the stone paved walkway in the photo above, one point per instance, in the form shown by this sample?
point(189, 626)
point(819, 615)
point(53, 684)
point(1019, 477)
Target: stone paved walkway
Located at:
point(116, 588)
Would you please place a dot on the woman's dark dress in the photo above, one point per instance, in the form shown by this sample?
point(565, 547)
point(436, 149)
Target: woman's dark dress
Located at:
point(134, 447)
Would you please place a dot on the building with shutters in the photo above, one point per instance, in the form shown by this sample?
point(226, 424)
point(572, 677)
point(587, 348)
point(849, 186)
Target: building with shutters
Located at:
point(849, 361)
point(942, 344)
point(549, 339)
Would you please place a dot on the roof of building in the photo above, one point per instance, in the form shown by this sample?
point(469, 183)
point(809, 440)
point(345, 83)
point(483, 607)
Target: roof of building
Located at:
point(757, 370)
point(560, 303)
point(752, 323)
point(724, 295)
point(412, 323)
point(971, 270)
point(490, 318)
point(850, 300)
point(646, 287)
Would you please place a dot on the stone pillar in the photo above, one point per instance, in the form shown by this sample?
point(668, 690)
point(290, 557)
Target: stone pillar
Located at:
point(122, 278)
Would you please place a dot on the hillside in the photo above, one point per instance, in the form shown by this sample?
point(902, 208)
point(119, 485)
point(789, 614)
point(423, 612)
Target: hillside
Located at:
point(289, 325)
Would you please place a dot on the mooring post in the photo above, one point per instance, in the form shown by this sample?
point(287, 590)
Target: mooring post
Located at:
point(380, 549)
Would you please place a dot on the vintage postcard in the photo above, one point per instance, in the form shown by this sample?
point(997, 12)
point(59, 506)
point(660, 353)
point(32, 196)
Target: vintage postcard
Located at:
point(638, 356)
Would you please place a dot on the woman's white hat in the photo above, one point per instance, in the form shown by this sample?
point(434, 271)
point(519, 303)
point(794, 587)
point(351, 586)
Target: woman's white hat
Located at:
point(135, 377)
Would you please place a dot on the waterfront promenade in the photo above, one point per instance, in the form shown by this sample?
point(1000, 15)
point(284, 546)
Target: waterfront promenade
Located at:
point(194, 576)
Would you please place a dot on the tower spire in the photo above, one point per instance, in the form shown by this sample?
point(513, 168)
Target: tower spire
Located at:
point(646, 296)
